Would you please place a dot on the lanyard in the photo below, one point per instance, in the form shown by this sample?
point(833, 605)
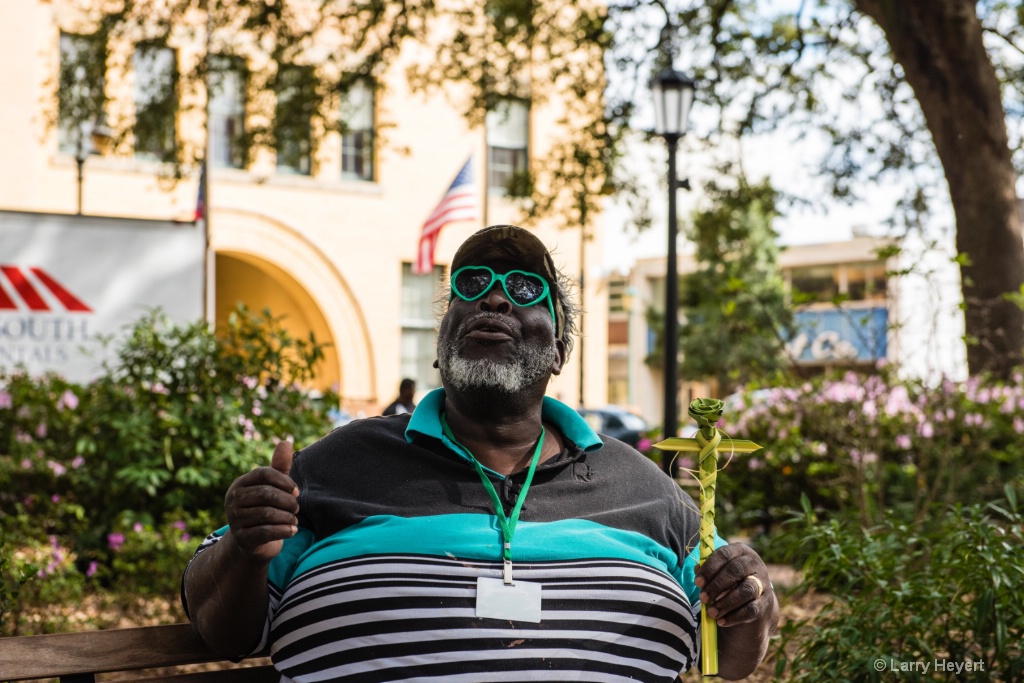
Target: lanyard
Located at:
point(508, 524)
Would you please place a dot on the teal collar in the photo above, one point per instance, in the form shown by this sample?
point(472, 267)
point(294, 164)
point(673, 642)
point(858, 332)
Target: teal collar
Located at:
point(426, 421)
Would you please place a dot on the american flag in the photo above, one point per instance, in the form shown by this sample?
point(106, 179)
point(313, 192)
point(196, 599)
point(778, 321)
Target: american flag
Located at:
point(460, 203)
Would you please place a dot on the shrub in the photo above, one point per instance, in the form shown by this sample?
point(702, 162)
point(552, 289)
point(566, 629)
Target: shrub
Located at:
point(148, 557)
point(945, 590)
point(866, 445)
point(157, 439)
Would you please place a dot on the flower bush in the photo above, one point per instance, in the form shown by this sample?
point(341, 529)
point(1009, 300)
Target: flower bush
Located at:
point(154, 441)
point(864, 445)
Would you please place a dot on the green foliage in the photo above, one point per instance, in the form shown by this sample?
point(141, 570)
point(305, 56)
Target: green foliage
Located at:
point(13, 574)
point(944, 590)
point(858, 446)
point(737, 319)
point(148, 557)
point(156, 440)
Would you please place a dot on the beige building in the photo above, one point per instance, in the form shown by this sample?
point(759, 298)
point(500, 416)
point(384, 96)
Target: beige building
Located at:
point(322, 230)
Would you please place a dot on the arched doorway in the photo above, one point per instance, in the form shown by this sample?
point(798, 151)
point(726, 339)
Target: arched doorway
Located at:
point(266, 263)
point(259, 284)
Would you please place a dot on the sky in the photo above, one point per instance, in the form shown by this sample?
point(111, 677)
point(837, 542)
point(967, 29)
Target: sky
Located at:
point(788, 166)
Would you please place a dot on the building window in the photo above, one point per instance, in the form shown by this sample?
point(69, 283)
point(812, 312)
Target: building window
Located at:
point(80, 92)
point(508, 133)
point(814, 284)
point(357, 143)
point(227, 113)
point(419, 327)
point(853, 281)
point(156, 102)
point(618, 296)
point(293, 119)
point(866, 281)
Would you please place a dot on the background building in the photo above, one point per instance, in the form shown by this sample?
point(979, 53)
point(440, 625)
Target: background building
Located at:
point(323, 229)
point(857, 333)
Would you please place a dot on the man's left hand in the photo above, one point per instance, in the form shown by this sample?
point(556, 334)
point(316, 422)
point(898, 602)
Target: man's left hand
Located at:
point(735, 586)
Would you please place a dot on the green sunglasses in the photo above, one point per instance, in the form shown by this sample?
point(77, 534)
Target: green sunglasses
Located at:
point(522, 288)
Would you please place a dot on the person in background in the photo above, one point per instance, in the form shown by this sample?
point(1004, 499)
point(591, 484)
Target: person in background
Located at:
point(404, 403)
point(491, 535)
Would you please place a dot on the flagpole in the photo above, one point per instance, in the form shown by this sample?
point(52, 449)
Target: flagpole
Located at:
point(485, 170)
point(209, 307)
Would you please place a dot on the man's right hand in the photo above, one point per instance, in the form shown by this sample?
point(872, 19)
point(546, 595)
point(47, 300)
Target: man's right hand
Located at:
point(261, 507)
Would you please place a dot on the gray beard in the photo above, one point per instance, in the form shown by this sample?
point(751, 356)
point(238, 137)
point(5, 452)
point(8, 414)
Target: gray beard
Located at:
point(527, 365)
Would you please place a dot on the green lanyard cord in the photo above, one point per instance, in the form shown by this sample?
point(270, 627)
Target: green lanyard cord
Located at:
point(508, 524)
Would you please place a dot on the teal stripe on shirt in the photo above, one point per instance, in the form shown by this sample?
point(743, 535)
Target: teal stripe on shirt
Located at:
point(478, 537)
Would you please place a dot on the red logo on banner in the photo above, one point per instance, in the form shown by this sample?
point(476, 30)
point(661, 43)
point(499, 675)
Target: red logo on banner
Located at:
point(24, 288)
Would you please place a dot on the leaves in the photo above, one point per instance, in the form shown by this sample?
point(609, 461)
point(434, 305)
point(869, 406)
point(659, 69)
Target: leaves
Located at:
point(916, 593)
point(178, 414)
point(737, 319)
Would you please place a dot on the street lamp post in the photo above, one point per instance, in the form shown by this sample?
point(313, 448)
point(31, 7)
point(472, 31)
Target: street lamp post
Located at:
point(673, 95)
point(99, 138)
point(81, 153)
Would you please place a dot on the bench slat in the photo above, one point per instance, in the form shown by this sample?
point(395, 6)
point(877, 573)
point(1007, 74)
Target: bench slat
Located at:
point(252, 674)
point(102, 651)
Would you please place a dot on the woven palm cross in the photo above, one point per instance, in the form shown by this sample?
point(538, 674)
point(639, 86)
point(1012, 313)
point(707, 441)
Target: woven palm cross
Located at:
point(707, 442)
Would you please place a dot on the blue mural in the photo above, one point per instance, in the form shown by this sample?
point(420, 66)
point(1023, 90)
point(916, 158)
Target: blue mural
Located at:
point(840, 334)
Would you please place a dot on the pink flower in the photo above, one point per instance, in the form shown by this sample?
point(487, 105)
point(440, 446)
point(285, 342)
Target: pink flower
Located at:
point(26, 464)
point(41, 430)
point(179, 525)
point(250, 382)
point(870, 409)
point(926, 430)
point(1018, 425)
point(5, 399)
point(93, 566)
point(137, 527)
point(185, 537)
point(863, 458)
point(77, 462)
point(57, 468)
point(55, 498)
point(159, 388)
point(903, 441)
point(115, 541)
point(67, 400)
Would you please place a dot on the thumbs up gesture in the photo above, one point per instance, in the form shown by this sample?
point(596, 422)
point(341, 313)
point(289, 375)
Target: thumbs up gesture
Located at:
point(261, 507)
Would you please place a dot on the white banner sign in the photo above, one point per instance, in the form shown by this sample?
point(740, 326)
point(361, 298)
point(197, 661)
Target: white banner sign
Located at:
point(65, 281)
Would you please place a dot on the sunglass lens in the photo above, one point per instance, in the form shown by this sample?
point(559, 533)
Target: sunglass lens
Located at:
point(524, 289)
point(471, 283)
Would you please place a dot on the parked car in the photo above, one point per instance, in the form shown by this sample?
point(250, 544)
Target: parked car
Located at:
point(619, 423)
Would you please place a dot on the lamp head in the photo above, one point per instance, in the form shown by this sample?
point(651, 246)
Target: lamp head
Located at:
point(673, 95)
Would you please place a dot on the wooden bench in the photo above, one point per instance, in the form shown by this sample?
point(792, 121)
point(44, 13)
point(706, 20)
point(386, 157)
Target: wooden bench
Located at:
point(79, 657)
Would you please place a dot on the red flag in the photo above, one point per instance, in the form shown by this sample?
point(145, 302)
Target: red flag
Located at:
point(460, 203)
point(201, 195)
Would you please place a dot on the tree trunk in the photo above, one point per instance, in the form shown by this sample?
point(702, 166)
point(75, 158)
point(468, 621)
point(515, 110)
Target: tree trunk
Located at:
point(939, 45)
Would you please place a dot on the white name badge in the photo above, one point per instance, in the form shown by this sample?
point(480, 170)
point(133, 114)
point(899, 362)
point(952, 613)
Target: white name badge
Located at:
point(519, 601)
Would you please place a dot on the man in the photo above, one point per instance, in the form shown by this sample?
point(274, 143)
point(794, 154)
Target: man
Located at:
point(404, 403)
point(492, 535)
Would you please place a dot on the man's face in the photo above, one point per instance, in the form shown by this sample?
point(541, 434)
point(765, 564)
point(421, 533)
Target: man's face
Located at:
point(493, 344)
